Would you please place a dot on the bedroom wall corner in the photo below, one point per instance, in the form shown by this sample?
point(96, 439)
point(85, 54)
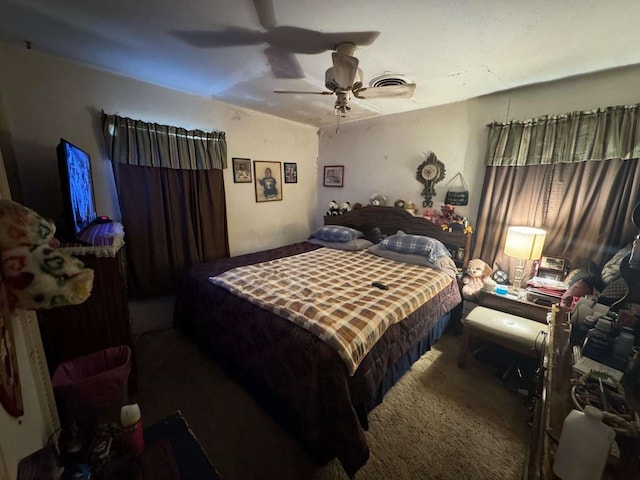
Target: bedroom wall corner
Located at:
point(47, 98)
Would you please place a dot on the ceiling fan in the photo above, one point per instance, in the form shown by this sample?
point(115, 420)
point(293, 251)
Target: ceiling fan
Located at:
point(345, 79)
point(283, 42)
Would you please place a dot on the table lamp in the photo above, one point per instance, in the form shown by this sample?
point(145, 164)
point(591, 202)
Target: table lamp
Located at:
point(523, 243)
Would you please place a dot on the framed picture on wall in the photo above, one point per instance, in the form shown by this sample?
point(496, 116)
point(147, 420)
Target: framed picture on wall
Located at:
point(241, 170)
point(268, 180)
point(290, 172)
point(333, 176)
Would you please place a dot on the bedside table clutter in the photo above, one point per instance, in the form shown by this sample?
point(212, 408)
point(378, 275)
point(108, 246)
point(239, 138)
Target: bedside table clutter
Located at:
point(588, 330)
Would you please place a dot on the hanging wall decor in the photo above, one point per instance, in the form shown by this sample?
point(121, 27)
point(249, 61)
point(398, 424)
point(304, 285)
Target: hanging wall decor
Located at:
point(268, 181)
point(457, 195)
point(430, 172)
point(10, 392)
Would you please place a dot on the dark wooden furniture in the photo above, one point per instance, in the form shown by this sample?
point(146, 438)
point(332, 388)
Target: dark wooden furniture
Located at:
point(100, 322)
point(174, 436)
point(553, 404)
point(172, 452)
point(514, 305)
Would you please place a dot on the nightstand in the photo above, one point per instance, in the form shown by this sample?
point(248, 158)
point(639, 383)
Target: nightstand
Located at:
point(512, 304)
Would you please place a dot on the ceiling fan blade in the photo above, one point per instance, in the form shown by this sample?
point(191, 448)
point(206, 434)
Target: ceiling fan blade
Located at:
point(283, 64)
point(302, 92)
point(387, 91)
point(345, 68)
point(266, 13)
point(231, 36)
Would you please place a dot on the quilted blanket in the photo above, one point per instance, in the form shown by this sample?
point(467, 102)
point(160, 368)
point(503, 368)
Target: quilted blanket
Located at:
point(330, 293)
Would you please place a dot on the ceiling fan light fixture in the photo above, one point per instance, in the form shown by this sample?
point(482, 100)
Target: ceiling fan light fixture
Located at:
point(389, 79)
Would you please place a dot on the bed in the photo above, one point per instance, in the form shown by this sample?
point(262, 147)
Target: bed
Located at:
point(299, 379)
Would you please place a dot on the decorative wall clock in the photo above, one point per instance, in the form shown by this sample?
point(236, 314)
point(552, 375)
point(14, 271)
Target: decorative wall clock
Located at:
point(430, 172)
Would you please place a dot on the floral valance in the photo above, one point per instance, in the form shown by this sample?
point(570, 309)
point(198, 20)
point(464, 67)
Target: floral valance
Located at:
point(601, 134)
point(138, 143)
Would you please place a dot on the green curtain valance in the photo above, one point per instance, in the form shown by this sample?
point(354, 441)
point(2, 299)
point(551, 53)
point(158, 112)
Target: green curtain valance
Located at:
point(138, 143)
point(601, 134)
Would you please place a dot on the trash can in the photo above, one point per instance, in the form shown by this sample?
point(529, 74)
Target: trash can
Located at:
point(93, 382)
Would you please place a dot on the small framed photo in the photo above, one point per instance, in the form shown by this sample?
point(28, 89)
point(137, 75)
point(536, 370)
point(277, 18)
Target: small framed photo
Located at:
point(290, 172)
point(333, 176)
point(555, 264)
point(268, 180)
point(241, 170)
point(558, 277)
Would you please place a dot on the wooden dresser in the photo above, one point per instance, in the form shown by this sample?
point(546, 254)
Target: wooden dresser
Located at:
point(554, 403)
point(100, 322)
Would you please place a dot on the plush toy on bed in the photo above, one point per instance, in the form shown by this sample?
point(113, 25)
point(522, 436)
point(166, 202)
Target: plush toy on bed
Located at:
point(345, 207)
point(35, 273)
point(334, 208)
point(473, 278)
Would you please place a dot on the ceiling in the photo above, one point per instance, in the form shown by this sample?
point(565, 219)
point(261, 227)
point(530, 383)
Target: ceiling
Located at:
point(240, 51)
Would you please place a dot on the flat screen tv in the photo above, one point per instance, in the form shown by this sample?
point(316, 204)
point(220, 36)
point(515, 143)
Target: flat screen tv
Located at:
point(79, 209)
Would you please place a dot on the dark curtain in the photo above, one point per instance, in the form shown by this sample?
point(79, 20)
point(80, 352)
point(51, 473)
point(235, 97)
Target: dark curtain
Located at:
point(584, 207)
point(172, 199)
point(574, 175)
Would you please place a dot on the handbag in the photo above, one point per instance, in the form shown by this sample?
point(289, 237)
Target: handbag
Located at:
point(457, 195)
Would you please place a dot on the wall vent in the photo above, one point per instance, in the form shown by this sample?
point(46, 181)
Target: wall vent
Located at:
point(389, 79)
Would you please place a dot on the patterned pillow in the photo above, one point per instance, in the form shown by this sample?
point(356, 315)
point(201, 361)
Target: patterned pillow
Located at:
point(336, 233)
point(428, 247)
point(353, 245)
point(446, 264)
point(614, 291)
point(611, 269)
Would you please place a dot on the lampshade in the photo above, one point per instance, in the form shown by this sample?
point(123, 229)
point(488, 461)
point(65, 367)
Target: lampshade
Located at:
point(524, 242)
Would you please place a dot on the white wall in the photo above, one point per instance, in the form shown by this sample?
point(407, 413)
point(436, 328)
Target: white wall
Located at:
point(381, 155)
point(20, 436)
point(46, 99)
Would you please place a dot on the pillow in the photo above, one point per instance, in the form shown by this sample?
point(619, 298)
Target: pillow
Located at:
point(355, 244)
point(615, 290)
point(410, 258)
point(611, 269)
point(336, 233)
point(428, 247)
point(446, 264)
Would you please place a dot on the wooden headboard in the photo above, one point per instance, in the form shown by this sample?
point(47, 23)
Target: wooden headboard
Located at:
point(391, 219)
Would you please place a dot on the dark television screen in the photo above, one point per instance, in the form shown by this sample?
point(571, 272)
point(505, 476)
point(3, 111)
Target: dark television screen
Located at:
point(74, 166)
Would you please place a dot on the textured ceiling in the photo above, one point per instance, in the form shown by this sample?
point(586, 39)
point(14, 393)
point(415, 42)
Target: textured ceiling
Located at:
point(239, 51)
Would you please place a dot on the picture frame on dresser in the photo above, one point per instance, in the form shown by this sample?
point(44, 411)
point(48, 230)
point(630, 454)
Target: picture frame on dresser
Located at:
point(552, 268)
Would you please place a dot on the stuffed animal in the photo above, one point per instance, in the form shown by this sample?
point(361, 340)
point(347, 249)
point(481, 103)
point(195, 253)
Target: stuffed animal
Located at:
point(345, 207)
point(473, 278)
point(334, 208)
point(36, 274)
point(431, 214)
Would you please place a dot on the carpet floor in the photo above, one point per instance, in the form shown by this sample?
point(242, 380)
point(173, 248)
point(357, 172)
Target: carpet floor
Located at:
point(438, 421)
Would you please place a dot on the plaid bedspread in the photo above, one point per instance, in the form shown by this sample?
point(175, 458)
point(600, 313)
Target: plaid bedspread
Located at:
point(329, 293)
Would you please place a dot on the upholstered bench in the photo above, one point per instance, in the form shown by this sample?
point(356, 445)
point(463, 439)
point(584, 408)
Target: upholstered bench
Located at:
point(512, 332)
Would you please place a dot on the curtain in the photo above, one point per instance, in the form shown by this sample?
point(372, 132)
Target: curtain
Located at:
point(574, 175)
point(172, 198)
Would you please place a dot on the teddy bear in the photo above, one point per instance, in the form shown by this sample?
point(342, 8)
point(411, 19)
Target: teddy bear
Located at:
point(34, 272)
point(334, 208)
point(431, 214)
point(345, 207)
point(475, 272)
